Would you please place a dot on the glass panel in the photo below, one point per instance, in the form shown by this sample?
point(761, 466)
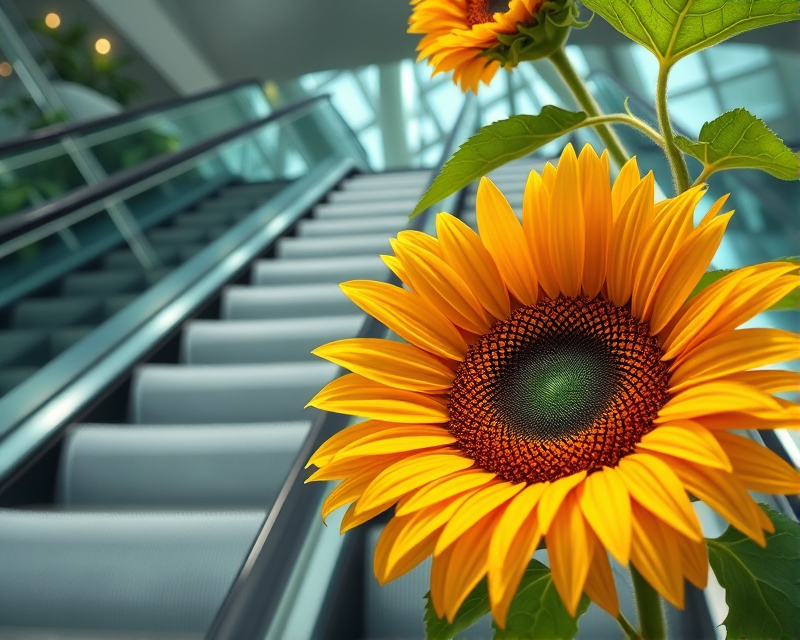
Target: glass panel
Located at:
point(34, 175)
point(65, 278)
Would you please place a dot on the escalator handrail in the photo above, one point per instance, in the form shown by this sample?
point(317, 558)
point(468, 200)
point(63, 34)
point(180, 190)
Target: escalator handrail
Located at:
point(21, 223)
point(57, 131)
point(254, 599)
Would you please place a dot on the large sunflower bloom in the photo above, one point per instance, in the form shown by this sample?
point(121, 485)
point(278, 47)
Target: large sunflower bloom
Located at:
point(458, 32)
point(558, 383)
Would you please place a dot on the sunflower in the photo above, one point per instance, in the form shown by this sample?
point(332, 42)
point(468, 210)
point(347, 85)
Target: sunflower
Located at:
point(558, 383)
point(458, 33)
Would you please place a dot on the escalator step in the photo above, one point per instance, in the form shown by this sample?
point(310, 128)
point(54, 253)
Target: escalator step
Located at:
point(151, 572)
point(125, 258)
point(101, 282)
point(364, 209)
point(388, 225)
point(274, 302)
point(262, 341)
point(319, 270)
point(23, 348)
point(223, 206)
point(63, 339)
point(203, 394)
point(202, 219)
point(52, 313)
point(160, 466)
point(367, 244)
point(375, 195)
point(375, 181)
point(177, 236)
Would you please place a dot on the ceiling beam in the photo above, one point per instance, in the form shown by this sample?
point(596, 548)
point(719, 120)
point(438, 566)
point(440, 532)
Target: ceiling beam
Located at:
point(148, 28)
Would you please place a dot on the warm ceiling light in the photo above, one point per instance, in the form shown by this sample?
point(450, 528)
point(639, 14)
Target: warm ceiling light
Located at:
point(5, 69)
point(102, 46)
point(52, 20)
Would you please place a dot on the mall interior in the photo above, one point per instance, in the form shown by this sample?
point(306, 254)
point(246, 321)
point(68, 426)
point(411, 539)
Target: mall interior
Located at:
point(184, 184)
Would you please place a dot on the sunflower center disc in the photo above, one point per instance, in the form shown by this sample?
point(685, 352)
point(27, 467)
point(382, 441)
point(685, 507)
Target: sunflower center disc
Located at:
point(567, 385)
point(482, 11)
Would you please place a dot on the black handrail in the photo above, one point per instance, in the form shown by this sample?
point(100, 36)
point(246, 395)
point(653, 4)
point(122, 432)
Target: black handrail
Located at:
point(61, 130)
point(255, 597)
point(21, 223)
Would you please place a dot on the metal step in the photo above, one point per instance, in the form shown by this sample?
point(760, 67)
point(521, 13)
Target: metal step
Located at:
point(274, 302)
point(319, 270)
point(388, 225)
point(366, 244)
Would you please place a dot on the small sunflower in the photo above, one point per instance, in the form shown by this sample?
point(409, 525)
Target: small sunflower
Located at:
point(558, 383)
point(458, 33)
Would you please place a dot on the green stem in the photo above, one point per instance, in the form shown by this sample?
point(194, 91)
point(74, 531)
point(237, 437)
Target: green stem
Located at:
point(587, 103)
point(707, 171)
point(677, 163)
point(648, 605)
point(627, 627)
point(622, 118)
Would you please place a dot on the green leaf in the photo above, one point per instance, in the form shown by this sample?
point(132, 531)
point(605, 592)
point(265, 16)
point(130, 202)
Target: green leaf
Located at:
point(739, 140)
point(537, 610)
point(762, 586)
point(474, 608)
point(672, 29)
point(495, 145)
point(790, 303)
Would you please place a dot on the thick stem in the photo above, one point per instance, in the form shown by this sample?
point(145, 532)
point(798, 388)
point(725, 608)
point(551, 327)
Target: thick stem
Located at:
point(627, 627)
point(648, 605)
point(587, 103)
point(677, 163)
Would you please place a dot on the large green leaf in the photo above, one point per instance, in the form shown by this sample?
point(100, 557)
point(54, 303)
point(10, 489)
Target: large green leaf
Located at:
point(762, 586)
point(672, 29)
point(495, 145)
point(474, 608)
point(739, 140)
point(790, 303)
point(537, 610)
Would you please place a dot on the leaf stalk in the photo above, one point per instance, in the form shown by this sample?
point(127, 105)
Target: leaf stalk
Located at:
point(677, 163)
point(573, 81)
point(627, 627)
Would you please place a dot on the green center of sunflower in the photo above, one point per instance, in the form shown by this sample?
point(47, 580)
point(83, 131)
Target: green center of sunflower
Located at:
point(567, 385)
point(482, 11)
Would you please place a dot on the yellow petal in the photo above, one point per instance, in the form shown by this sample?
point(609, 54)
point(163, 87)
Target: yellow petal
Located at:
point(715, 397)
point(484, 501)
point(439, 569)
point(514, 540)
point(422, 240)
point(733, 352)
point(355, 395)
point(733, 421)
point(567, 225)
point(653, 485)
point(384, 545)
point(405, 439)
point(503, 237)
point(570, 553)
point(606, 505)
point(422, 526)
point(672, 226)
point(600, 585)
point(324, 455)
point(758, 468)
point(536, 225)
point(350, 489)
point(553, 497)
point(409, 315)
point(396, 268)
point(694, 561)
point(722, 492)
point(766, 524)
point(463, 250)
point(549, 176)
point(768, 380)
point(350, 520)
point(627, 235)
point(467, 564)
point(446, 488)
point(626, 182)
point(437, 282)
point(407, 475)
point(598, 216)
point(398, 365)
point(345, 468)
point(685, 270)
point(655, 553)
point(689, 441)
